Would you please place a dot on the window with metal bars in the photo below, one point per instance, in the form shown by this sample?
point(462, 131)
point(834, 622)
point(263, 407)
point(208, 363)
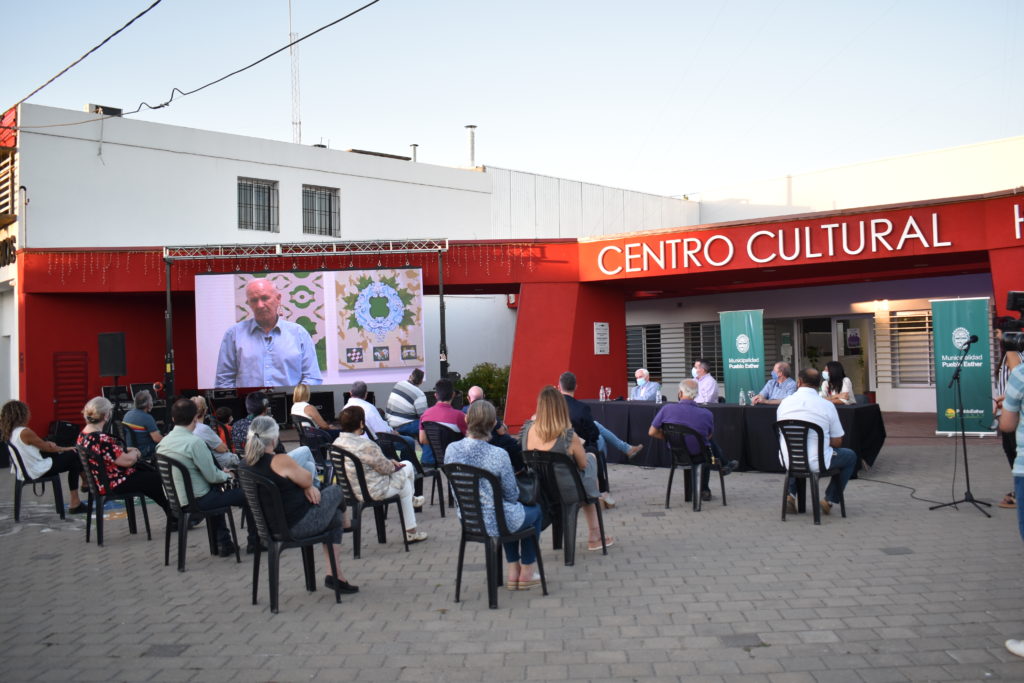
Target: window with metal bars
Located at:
point(910, 340)
point(704, 341)
point(257, 205)
point(643, 350)
point(320, 211)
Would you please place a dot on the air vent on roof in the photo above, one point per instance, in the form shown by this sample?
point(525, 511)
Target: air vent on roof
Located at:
point(379, 154)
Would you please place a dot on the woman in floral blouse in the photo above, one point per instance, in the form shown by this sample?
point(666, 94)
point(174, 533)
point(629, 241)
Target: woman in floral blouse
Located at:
point(107, 454)
point(474, 450)
point(384, 477)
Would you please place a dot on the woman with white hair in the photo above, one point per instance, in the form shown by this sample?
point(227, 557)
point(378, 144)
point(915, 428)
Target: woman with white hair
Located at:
point(308, 511)
point(107, 454)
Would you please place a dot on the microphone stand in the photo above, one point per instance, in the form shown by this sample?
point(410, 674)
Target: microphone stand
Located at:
point(968, 496)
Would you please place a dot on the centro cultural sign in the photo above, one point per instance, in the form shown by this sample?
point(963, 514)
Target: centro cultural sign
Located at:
point(845, 238)
point(949, 226)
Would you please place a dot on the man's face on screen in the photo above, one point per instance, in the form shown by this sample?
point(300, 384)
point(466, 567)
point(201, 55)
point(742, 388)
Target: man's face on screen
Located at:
point(264, 300)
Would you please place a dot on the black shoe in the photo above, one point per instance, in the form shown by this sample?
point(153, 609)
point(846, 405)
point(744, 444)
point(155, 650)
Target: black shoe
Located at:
point(193, 522)
point(79, 509)
point(343, 586)
point(226, 549)
point(728, 467)
point(705, 495)
point(251, 546)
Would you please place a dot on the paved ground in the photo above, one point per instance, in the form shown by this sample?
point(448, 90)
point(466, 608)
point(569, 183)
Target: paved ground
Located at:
point(892, 593)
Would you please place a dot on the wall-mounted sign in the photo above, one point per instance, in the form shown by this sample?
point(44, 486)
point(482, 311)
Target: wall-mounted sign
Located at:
point(602, 340)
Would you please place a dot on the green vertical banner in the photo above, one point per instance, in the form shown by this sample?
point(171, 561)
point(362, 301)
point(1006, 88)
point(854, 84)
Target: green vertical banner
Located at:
point(954, 322)
point(742, 352)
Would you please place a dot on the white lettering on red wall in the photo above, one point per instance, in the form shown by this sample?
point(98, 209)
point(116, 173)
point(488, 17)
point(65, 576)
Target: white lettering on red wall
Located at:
point(796, 243)
point(1018, 219)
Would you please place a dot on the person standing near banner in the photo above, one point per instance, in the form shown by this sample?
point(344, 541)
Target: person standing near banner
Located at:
point(1010, 360)
point(1009, 421)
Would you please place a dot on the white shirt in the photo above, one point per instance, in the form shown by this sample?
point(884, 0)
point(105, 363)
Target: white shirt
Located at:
point(806, 405)
point(36, 463)
point(374, 422)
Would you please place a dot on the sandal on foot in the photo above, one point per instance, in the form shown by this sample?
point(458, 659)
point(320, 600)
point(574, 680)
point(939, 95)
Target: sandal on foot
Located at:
point(596, 545)
point(1009, 502)
point(529, 583)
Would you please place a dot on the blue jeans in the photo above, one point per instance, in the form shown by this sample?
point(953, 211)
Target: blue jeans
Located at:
point(846, 460)
point(607, 437)
point(303, 457)
point(527, 546)
point(1018, 492)
point(411, 430)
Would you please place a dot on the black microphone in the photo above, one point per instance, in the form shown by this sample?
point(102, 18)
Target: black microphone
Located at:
point(973, 339)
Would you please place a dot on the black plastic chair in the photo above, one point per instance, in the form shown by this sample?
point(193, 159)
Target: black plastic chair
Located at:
point(21, 479)
point(794, 435)
point(339, 457)
point(563, 485)
point(98, 500)
point(391, 446)
point(268, 512)
point(185, 507)
point(439, 437)
point(318, 441)
point(685, 457)
point(465, 481)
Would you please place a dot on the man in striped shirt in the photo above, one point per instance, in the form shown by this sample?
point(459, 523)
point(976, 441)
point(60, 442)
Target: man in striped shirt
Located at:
point(405, 406)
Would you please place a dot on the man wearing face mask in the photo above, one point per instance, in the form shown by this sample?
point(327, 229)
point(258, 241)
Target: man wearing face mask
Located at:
point(707, 386)
point(778, 387)
point(645, 389)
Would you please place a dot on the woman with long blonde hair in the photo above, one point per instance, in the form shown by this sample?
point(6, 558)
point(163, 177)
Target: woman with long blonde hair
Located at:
point(551, 430)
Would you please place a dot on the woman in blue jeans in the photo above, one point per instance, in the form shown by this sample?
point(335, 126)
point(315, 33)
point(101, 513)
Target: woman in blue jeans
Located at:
point(474, 450)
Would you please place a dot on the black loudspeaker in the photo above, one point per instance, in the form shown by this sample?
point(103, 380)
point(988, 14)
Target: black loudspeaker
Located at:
point(112, 354)
point(324, 402)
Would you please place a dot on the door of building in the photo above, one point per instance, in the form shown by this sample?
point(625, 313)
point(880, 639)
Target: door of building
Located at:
point(852, 347)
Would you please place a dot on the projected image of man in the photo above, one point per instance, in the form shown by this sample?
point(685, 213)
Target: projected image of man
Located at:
point(266, 351)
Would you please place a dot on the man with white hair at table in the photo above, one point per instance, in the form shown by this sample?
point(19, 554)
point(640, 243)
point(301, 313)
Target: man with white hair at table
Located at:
point(645, 389)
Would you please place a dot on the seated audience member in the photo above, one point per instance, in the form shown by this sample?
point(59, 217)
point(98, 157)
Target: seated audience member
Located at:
point(384, 477)
point(688, 414)
point(805, 404)
point(258, 405)
point(182, 444)
point(475, 451)
point(144, 432)
point(375, 424)
point(303, 408)
point(225, 458)
point(499, 435)
point(835, 385)
point(405, 405)
point(41, 458)
point(608, 438)
point(583, 424)
point(1008, 360)
point(645, 389)
point(222, 426)
point(707, 386)
point(551, 430)
point(308, 511)
point(105, 453)
point(443, 413)
point(778, 387)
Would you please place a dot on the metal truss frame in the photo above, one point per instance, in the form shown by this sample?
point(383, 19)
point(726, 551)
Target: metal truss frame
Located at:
point(251, 251)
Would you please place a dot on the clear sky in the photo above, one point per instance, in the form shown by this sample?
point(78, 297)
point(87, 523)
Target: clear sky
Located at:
point(669, 97)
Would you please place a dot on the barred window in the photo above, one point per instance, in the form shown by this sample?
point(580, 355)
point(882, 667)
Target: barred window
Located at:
point(910, 339)
point(320, 211)
point(643, 350)
point(257, 205)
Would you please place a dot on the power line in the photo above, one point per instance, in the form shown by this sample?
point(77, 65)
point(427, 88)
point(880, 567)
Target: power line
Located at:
point(74, 63)
point(180, 93)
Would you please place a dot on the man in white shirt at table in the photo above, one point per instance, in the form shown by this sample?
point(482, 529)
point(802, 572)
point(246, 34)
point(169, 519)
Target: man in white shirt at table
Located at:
point(805, 404)
point(707, 386)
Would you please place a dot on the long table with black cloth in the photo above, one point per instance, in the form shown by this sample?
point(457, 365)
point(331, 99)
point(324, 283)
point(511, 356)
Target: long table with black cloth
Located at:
point(743, 432)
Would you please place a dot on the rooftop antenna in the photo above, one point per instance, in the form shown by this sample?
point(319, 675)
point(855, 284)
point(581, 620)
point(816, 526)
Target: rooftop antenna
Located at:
point(472, 145)
point(294, 52)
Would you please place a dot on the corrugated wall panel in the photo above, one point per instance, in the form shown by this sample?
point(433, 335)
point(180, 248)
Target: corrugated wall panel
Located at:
point(570, 208)
point(501, 202)
point(633, 212)
point(524, 205)
point(614, 209)
point(593, 209)
point(548, 215)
